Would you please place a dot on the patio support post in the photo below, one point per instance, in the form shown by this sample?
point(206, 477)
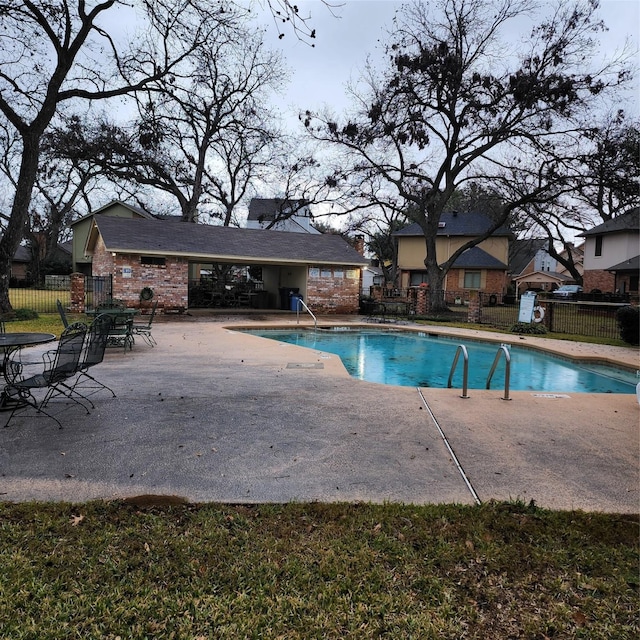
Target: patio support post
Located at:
point(77, 293)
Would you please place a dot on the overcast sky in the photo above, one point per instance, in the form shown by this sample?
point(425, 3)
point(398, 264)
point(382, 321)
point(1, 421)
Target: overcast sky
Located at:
point(319, 74)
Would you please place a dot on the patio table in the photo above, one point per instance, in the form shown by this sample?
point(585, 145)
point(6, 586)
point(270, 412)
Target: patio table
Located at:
point(121, 331)
point(9, 344)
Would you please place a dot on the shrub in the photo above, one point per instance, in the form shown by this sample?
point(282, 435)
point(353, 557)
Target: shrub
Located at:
point(628, 319)
point(529, 328)
point(20, 314)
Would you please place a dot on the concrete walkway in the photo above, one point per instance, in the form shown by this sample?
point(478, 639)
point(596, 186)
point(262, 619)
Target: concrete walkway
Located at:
point(211, 414)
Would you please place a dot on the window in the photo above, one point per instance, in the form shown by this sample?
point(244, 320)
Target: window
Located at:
point(153, 261)
point(417, 278)
point(598, 246)
point(471, 279)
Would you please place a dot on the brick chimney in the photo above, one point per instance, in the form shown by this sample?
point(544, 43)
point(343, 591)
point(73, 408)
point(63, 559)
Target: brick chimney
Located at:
point(358, 244)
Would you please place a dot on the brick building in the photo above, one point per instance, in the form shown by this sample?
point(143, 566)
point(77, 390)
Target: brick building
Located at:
point(235, 267)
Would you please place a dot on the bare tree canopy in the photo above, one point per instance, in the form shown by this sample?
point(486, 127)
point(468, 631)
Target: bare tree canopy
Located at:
point(461, 102)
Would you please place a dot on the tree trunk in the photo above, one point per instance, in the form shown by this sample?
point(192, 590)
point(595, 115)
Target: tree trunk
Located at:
point(15, 230)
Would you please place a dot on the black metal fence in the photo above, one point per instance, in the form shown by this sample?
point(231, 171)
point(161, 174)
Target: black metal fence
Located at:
point(44, 299)
point(582, 318)
point(97, 289)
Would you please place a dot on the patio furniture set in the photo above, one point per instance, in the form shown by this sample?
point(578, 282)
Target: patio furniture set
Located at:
point(124, 327)
point(65, 370)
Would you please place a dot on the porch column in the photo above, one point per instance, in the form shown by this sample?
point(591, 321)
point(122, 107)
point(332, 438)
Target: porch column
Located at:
point(77, 293)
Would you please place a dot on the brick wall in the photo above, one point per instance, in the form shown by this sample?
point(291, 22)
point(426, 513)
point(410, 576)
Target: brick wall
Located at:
point(333, 290)
point(495, 281)
point(597, 279)
point(169, 282)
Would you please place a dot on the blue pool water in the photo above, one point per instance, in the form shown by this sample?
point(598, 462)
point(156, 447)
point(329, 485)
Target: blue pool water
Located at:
point(417, 359)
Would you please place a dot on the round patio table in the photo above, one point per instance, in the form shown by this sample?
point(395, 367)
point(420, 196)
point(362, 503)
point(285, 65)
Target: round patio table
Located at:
point(11, 342)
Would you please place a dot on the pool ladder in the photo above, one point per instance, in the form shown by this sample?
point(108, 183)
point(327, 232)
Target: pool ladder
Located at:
point(302, 303)
point(503, 350)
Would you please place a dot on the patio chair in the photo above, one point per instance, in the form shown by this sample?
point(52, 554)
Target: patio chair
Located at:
point(59, 365)
point(96, 344)
point(63, 315)
point(144, 329)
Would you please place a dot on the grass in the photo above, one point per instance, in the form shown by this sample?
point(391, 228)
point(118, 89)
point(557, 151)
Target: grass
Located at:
point(44, 323)
point(151, 569)
point(116, 570)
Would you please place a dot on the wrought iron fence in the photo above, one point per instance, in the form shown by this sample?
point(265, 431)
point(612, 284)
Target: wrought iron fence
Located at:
point(582, 318)
point(44, 299)
point(97, 289)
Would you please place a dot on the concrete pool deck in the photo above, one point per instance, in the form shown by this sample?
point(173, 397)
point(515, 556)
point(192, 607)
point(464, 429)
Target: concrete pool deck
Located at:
point(212, 414)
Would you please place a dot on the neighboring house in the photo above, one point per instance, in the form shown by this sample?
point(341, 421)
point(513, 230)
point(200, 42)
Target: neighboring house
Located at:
point(611, 255)
point(20, 264)
point(532, 267)
point(289, 215)
point(372, 276)
point(22, 260)
point(138, 252)
point(483, 267)
point(82, 227)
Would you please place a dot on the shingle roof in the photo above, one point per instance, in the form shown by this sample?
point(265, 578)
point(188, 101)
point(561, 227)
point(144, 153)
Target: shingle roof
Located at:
point(113, 203)
point(632, 265)
point(522, 252)
point(135, 235)
point(458, 224)
point(476, 258)
point(629, 221)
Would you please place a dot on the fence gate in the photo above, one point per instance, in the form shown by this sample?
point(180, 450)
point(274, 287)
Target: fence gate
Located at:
point(96, 290)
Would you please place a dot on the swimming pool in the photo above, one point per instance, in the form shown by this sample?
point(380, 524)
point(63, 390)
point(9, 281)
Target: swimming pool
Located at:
point(424, 360)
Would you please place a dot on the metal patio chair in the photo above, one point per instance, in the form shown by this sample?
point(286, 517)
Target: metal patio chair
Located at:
point(63, 315)
point(144, 329)
point(60, 365)
point(85, 384)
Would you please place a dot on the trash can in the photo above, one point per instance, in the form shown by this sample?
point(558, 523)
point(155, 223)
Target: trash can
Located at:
point(285, 296)
point(294, 301)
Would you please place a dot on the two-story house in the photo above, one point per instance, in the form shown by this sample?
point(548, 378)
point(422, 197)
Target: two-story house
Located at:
point(612, 255)
point(483, 267)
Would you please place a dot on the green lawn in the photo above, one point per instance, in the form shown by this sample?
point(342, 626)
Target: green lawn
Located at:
point(115, 570)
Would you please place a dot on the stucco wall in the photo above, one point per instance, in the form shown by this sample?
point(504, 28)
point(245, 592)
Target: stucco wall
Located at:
point(412, 250)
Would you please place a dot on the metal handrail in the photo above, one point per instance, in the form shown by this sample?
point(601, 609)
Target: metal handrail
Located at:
point(465, 371)
point(507, 369)
point(302, 302)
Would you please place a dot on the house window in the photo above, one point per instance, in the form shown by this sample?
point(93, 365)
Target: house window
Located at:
point(417, 278)
point(598, 246)
point(153, 261)
point(471, 279)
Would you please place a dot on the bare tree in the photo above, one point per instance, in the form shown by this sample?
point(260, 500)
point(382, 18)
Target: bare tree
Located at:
point(204, 134)
point(457, 104)
point(58, 53)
